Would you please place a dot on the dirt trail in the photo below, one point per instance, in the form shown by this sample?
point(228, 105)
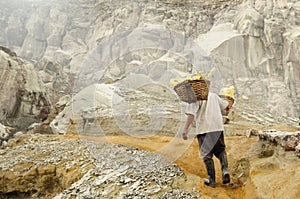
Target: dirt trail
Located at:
point(238, 150)
point(190, 162)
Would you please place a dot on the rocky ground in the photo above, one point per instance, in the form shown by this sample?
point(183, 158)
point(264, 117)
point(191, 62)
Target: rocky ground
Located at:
point(104, 67)
point(45, 166)
point(77, 166)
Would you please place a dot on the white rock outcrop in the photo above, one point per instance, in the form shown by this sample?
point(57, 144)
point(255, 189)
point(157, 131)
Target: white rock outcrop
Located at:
point(23, 97)
point(103, 109)
point(254, 43)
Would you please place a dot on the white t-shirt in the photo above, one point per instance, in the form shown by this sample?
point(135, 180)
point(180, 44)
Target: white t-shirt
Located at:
point(208, 113)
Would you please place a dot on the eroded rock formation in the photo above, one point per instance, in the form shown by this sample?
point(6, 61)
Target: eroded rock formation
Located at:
point(254, 43)
point(24, 99)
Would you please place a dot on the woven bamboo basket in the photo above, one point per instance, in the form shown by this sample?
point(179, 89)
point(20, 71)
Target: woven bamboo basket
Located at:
point(192, 90)
point(230, 100)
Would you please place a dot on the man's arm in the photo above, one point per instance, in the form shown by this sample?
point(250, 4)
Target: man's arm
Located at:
point(223, 103)
point(189, 120)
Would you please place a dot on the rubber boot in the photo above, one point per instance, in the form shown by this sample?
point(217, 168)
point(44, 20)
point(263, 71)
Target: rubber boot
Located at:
point(210, 167)
point(225, 170)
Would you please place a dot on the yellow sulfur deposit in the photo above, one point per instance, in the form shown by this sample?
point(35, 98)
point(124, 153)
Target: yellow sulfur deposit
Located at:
point(198, 76)
point(228, 91)
point(208, 75)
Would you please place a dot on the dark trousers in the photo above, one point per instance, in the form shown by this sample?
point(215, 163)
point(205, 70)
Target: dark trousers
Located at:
point(210, 144)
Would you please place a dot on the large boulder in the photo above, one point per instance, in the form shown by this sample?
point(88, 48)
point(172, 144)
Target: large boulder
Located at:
point(24, 99)
point(103, 109)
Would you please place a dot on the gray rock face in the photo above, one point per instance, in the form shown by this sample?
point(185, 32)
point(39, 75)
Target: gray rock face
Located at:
point(87, 42)
point(23, 99)
point(4, 135)
point(104, 109)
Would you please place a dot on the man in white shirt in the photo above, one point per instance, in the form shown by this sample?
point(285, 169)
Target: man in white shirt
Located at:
point(207, 115)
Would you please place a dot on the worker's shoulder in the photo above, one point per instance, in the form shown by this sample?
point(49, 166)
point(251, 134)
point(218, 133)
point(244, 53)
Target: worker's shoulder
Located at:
point(214, 95)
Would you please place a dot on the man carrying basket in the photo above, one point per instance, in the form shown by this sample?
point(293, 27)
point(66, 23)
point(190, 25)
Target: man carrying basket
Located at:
point(207, 115)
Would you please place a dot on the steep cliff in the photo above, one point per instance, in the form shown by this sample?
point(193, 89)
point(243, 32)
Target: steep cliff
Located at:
point(73, 41)
point(24, 99)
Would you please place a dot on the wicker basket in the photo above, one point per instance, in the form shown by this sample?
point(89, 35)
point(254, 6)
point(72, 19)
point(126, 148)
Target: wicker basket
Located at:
point(192, 90)
point(230, 100)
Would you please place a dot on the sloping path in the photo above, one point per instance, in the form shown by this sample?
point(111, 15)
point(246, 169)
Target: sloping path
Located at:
point(193, 166)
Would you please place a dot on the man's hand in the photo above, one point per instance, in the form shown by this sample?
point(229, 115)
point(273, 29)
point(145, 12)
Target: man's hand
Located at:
point(185, 135)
